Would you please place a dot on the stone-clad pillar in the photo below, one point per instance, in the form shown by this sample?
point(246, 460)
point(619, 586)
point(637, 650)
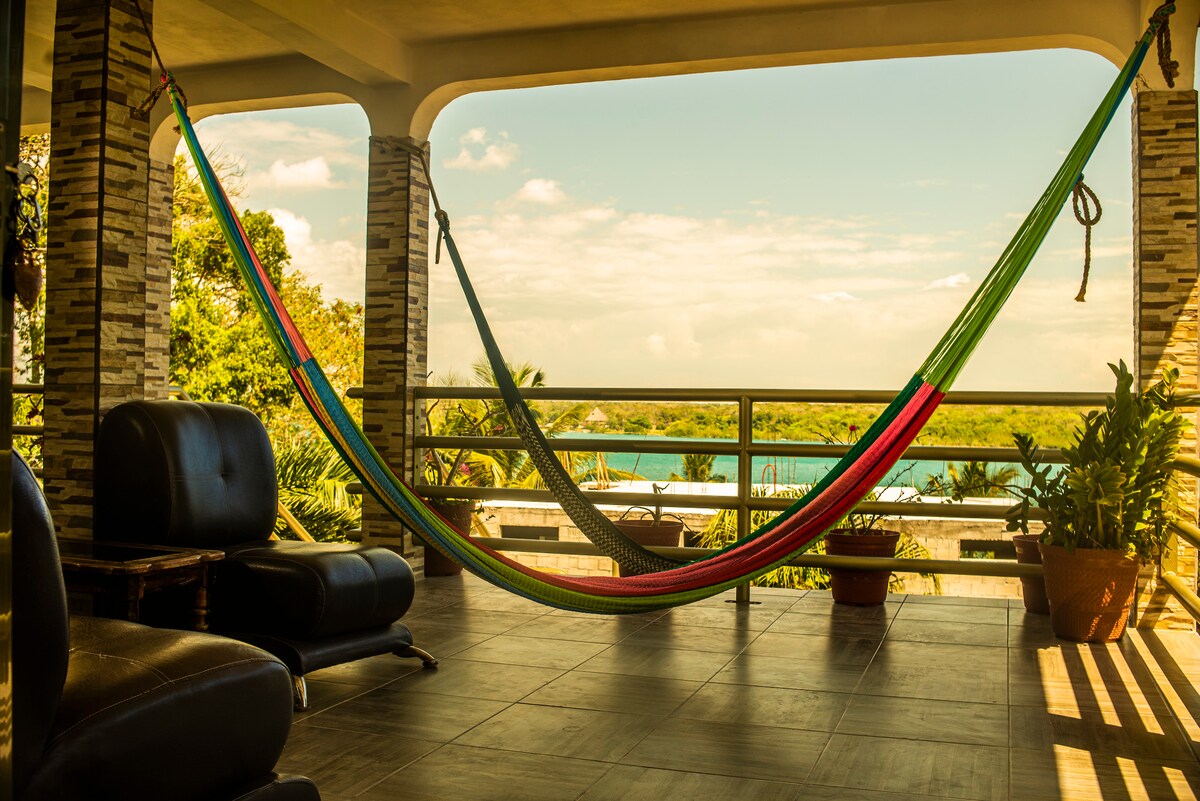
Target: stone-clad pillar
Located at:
point(97, 236)
point(1166, 292)
point(396, 319)
point(158, 278)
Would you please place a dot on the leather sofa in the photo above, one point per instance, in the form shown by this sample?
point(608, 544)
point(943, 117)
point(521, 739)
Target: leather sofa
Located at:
point(107, 709)
point(203, 475)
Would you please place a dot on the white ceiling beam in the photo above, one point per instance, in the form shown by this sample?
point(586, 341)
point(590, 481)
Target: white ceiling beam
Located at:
point(328, 33)
point(38, 61)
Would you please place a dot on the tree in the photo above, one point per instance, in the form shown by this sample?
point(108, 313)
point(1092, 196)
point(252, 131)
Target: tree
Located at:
point(697, 467)
point(975, 480)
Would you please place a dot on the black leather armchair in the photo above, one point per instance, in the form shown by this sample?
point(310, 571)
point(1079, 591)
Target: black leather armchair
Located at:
point(106, 709)
point(203, 475)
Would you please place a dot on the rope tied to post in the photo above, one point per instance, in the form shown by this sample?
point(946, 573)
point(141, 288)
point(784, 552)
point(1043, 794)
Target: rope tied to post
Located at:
point(1161, 19)
point(166, 79)
point(1082, 201)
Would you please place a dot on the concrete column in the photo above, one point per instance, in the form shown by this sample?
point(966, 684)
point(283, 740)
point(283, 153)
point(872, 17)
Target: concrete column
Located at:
point(396, 319)
point(97, 238)
point(1166, 292)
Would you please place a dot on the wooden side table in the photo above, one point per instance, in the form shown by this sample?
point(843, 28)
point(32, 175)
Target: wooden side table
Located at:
point(133, 570)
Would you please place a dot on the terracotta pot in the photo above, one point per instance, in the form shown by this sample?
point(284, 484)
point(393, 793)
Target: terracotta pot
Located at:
point(458, 515)
point(860, 587)
point(1033, 590)
point(1090, 592)
point(645, 531)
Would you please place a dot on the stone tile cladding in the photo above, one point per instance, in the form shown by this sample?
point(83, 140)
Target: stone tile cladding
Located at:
point(1165, 285)
point(397, 320)
point(97, 234)
point(158, 279)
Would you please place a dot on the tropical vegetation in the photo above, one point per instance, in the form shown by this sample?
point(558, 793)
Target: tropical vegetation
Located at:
point(1116, 489)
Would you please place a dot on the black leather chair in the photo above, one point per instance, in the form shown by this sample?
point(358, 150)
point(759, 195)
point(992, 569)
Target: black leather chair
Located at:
point(106, 709)
point(203, 475)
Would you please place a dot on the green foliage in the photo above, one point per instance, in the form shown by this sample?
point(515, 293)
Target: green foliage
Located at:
point(1116, 489)
point(475, 417)
point(722, 530)
point(312, 485)
point(975, 480)
point(697, 467)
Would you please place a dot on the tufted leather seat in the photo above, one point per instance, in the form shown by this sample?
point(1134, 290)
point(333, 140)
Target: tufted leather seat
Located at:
point(203, 475)
point(106, 709)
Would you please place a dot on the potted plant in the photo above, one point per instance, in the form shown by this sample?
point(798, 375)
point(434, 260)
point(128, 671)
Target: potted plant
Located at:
point(651, 527)
point(1107, 509)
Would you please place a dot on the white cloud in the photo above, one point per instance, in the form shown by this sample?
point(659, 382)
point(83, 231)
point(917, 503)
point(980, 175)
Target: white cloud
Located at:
point(338, 265)
point(541, 190)
point(950, 282)
point(837, 296)
point(313, 173)
point(496, 154)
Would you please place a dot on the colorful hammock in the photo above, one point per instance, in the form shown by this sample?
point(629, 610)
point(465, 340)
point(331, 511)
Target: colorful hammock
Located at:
point(772, 545)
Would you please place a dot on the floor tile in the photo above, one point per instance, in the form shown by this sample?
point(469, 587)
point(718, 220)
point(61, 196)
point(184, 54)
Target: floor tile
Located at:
point(443, 642)
point(321, 755)
point(575, 733)
point(415, 716)
point(963, 615)
point(463, 773)
point(957, 600)
point(796, 674)
point(938, 671)
point(581, 629)
point(949, 770)
point(919, 630)
point(730, 749)
point(766, 706)
point(628, 783)
point(369, 672)
point(611, 692)
point(668, 634)
point(1130, 732)
point(479, 620)
point(467, 679)
point(1067, 774)
point(324, 694)
point(926, 719)
point(638, 660)
point(729, 616)
point(1072, 676)
point(815, 648)
point(535, 651)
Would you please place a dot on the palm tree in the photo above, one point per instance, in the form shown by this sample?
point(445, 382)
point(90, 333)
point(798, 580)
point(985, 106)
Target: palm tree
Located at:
point(697, 467)
point(977, 480)
point(312, 486)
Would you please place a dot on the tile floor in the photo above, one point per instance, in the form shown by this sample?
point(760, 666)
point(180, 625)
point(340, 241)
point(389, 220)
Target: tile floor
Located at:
point(793, 698)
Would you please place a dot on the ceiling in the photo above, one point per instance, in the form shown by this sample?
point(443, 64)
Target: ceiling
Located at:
point(403, 60)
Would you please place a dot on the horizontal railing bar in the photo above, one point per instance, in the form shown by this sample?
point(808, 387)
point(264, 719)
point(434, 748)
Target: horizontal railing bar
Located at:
point(1184, 594)
point(761, 395)
point(674, 445)
point(1187, 464)
point(1187, 532)
point(956, 567)
point(28, 389)
point(966, 511)
point(27, 431)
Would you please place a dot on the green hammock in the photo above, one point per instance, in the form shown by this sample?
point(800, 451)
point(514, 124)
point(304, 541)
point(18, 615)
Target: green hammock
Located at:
point(771, 545)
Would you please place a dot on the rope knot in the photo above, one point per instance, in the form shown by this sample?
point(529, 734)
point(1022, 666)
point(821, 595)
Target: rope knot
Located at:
point(443, 220)
point(1160, 23)
point(1082, 201)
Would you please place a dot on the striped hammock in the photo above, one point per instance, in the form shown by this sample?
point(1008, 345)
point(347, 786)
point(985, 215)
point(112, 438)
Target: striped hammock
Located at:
point(765, 549)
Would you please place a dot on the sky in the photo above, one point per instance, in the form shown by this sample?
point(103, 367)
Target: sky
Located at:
point(805, 227)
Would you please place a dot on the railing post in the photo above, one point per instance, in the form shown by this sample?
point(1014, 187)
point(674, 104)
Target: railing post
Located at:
point(745, 469)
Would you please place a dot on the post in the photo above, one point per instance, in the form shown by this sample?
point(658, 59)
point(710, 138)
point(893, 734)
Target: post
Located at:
point(12, 38)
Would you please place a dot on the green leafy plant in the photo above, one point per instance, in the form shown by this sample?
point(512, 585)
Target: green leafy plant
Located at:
point(1116, 489)
point(722, 530)
point(312, 486)
point(975, 480)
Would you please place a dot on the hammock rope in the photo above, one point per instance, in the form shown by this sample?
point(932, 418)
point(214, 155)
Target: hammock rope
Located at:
point(773, 544)
point(1083, 199)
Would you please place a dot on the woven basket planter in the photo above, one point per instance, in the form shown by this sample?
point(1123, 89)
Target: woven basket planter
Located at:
point(860, 587)
point(1090, 592)
point(1033, 589)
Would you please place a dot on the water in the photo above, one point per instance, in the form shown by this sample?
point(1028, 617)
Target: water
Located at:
point(765, 469)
